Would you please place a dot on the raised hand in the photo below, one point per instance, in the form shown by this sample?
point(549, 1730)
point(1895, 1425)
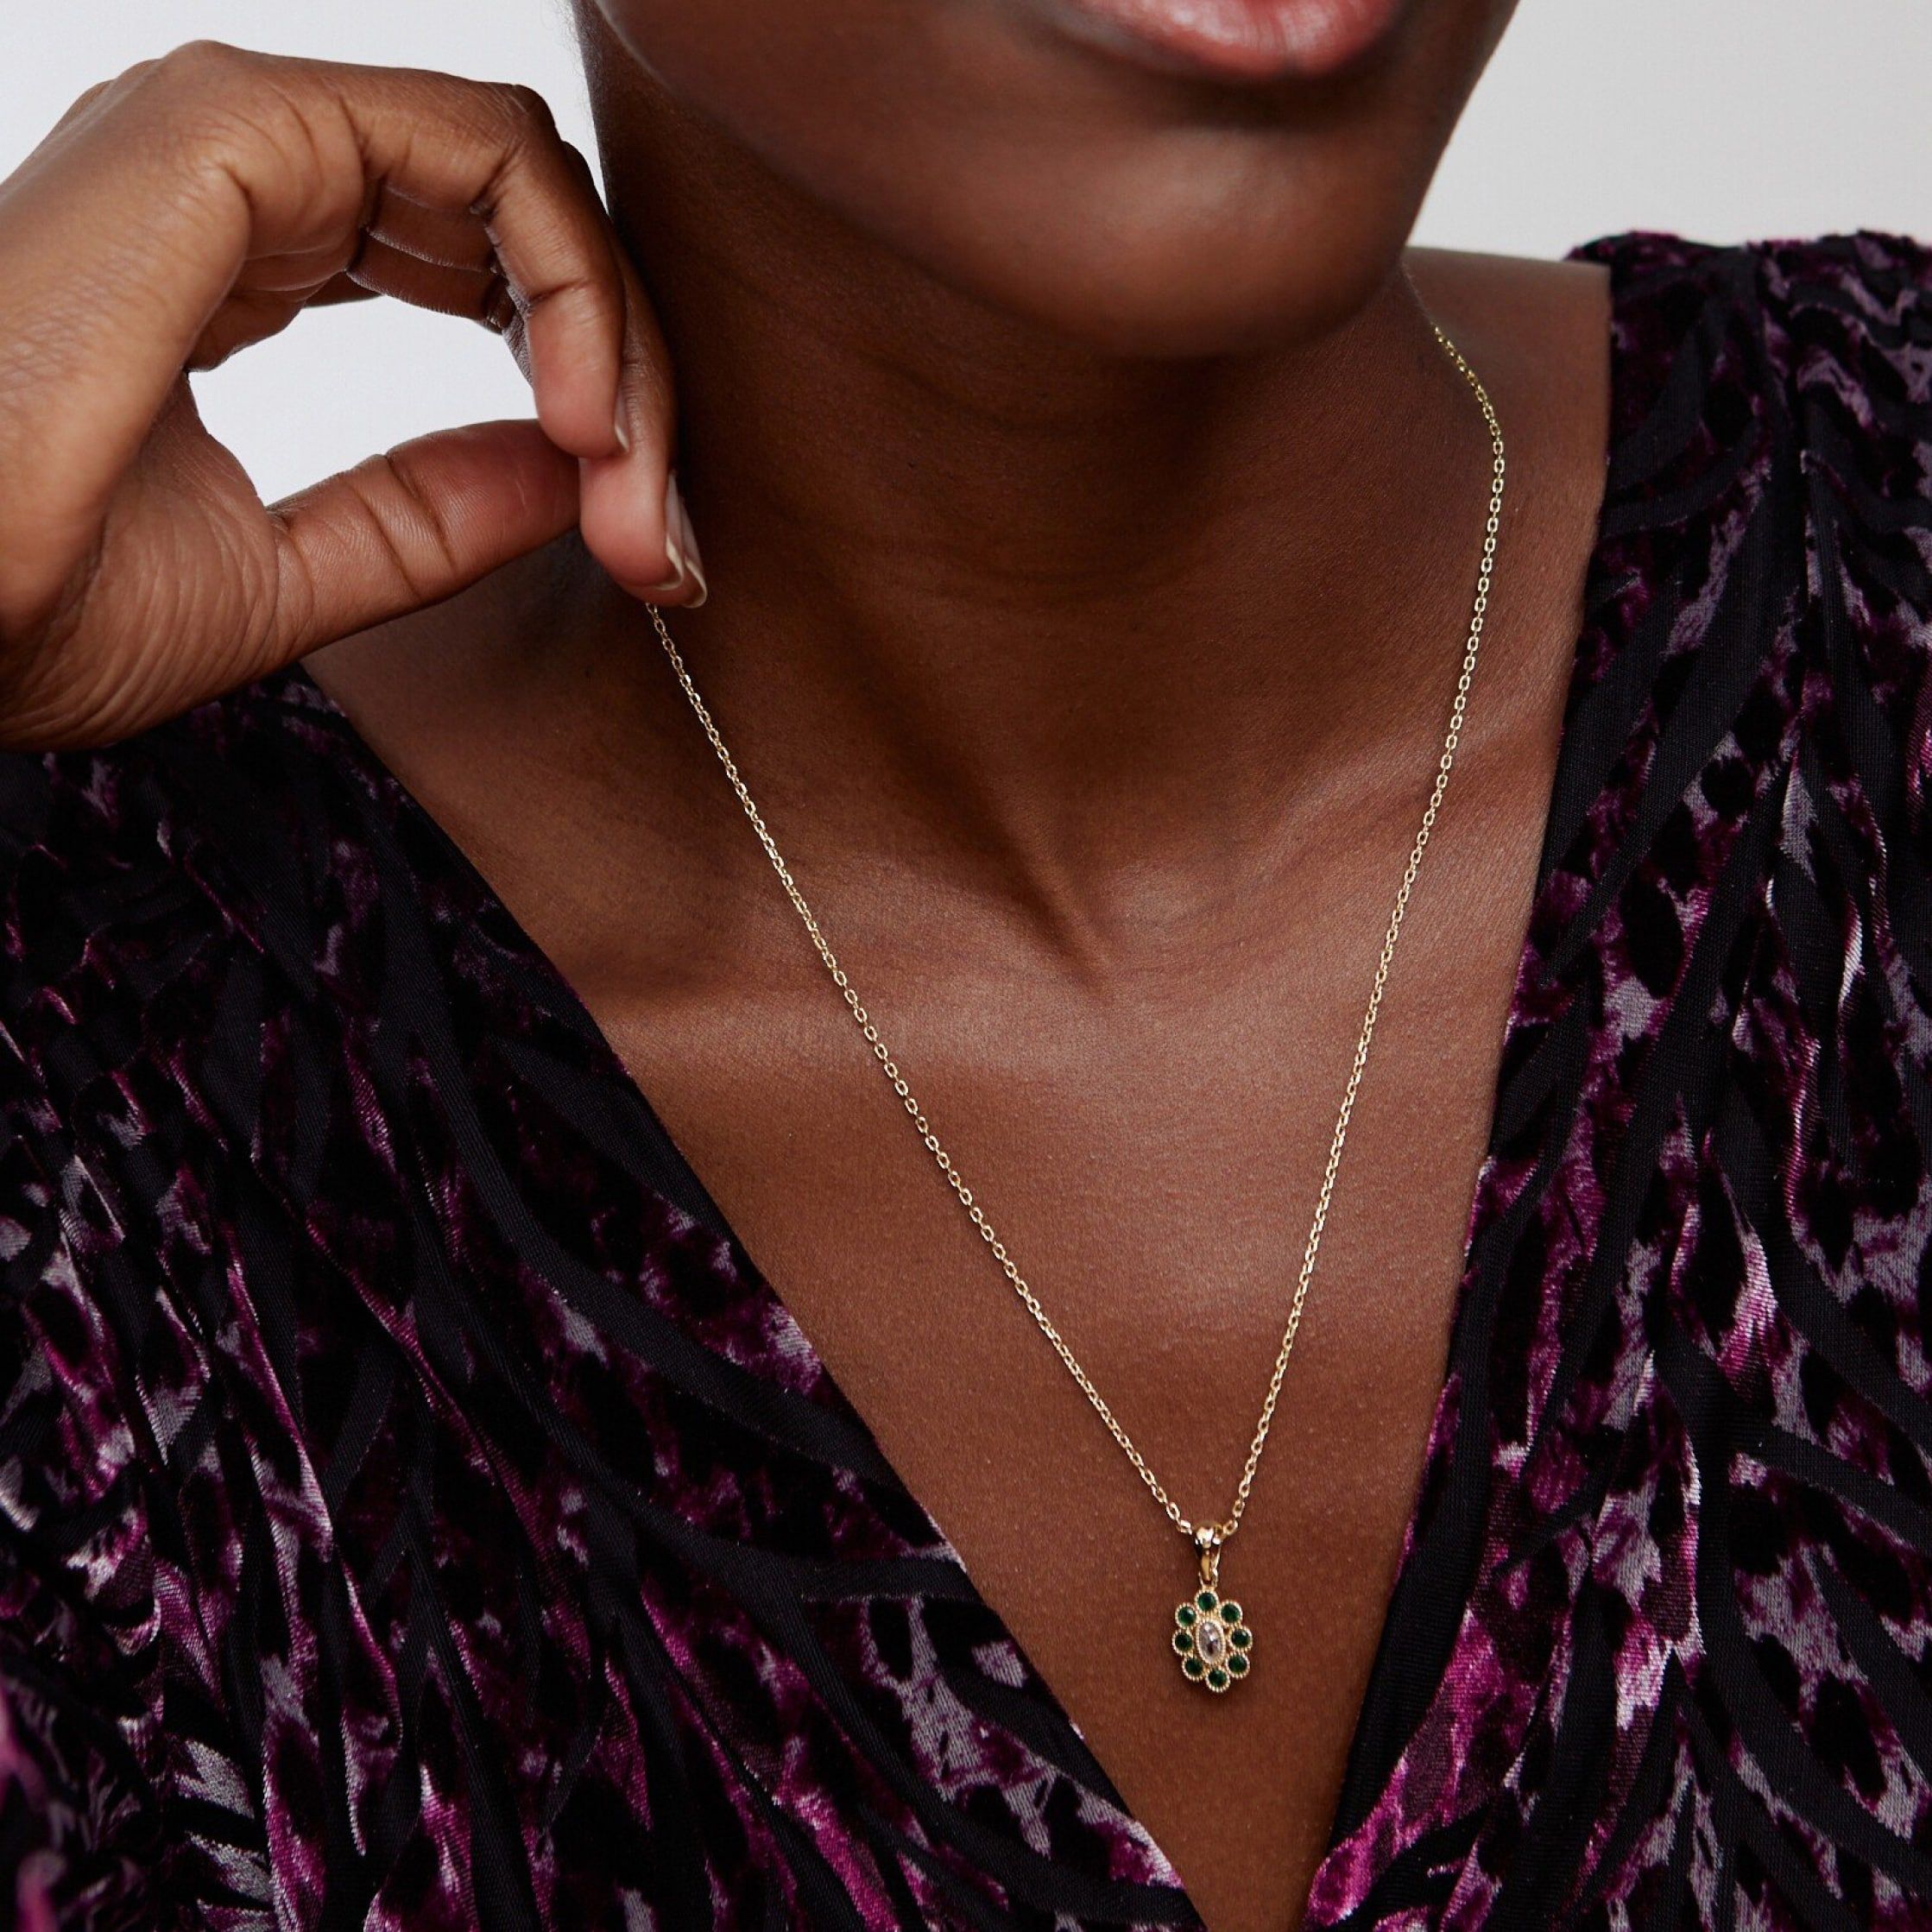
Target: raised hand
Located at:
point(195, 206)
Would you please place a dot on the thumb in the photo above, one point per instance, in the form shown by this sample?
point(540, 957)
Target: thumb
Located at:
point(414, 527)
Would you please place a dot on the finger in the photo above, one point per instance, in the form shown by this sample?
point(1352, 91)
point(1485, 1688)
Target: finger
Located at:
point(579, 304)
point(494, 152)
point(450, 238)
point(135, 219)
point(252, 315)
point(340, 288)
point(629, 518)
point(631, 521)
point(476, 295)
point(414, 527)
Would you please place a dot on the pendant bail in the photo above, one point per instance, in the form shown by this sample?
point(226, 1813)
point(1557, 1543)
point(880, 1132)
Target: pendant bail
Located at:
point(1211, 1634)
point(1208, 1541)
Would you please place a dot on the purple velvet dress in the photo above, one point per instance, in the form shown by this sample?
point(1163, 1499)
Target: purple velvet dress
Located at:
point(416, 1512)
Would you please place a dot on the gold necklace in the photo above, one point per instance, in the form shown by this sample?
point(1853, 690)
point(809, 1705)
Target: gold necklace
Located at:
point(1211, 1634)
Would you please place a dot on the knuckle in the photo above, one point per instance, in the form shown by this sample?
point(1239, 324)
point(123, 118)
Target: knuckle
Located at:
point(524, 110)
point(84, 101)
point(226, 97)
point(196, 75)
point(195, 96)
point(198, 64)
point(230, 119)
point(410, 520)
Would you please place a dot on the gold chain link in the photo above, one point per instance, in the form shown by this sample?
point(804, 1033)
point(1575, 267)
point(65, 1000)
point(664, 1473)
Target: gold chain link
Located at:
point(1207, 1536)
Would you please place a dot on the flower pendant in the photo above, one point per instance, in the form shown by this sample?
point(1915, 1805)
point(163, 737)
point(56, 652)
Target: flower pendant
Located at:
point(1212, 1642)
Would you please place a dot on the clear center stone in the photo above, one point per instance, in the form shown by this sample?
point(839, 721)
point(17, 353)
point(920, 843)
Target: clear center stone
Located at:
point(1210, 1641)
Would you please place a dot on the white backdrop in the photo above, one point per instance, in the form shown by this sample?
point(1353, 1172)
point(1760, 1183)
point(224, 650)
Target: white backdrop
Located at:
point(1718, 118)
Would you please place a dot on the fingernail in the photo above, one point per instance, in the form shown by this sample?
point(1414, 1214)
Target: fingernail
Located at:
point(664, 592)
point(670, 589)
point(618, 430)
point(682, 543)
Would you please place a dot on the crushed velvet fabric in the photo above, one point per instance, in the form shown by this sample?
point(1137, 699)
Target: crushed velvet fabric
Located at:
point(416, 1512)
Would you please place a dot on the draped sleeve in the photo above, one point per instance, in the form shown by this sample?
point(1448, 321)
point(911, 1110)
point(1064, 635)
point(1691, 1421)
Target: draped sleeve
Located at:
point(80, 1800)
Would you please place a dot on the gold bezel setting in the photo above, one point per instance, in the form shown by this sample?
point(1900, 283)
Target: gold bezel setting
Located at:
point(1213, 1641)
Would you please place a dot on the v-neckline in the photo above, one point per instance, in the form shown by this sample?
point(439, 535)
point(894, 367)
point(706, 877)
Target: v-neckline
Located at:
point(674, 1176)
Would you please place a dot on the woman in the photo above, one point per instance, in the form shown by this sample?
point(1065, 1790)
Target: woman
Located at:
point(509, 1422)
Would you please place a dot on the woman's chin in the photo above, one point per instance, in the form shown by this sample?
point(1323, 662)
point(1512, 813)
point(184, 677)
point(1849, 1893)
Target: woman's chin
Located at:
point(1138, 286)
point(1147, 211)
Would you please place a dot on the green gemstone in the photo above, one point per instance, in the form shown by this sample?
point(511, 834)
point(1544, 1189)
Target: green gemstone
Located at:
point(1240, 1639)
point(1182, 1642)
point(1184, 1615)
point(1206, 1601)
point(1194, 1667)
point(1237, 1664)
point(1217, 1680)
point(1230, 1613)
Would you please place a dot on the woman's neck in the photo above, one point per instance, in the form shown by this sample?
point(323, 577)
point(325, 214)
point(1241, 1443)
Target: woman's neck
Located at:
point(1074, 610)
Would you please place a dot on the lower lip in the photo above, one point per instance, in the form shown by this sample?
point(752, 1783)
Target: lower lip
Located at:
point(1246, 40)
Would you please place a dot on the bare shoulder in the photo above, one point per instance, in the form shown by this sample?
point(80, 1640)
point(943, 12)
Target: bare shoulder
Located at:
point(1543, 326)
point(1572, 292)
point(1539, 333)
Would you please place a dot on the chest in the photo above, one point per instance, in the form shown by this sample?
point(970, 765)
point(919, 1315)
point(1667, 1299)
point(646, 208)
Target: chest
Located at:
point(1146, 1125)
point(1150, 1151)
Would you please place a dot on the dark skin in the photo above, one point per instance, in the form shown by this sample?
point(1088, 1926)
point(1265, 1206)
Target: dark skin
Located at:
point(1090, 522)
point(1098, 740)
